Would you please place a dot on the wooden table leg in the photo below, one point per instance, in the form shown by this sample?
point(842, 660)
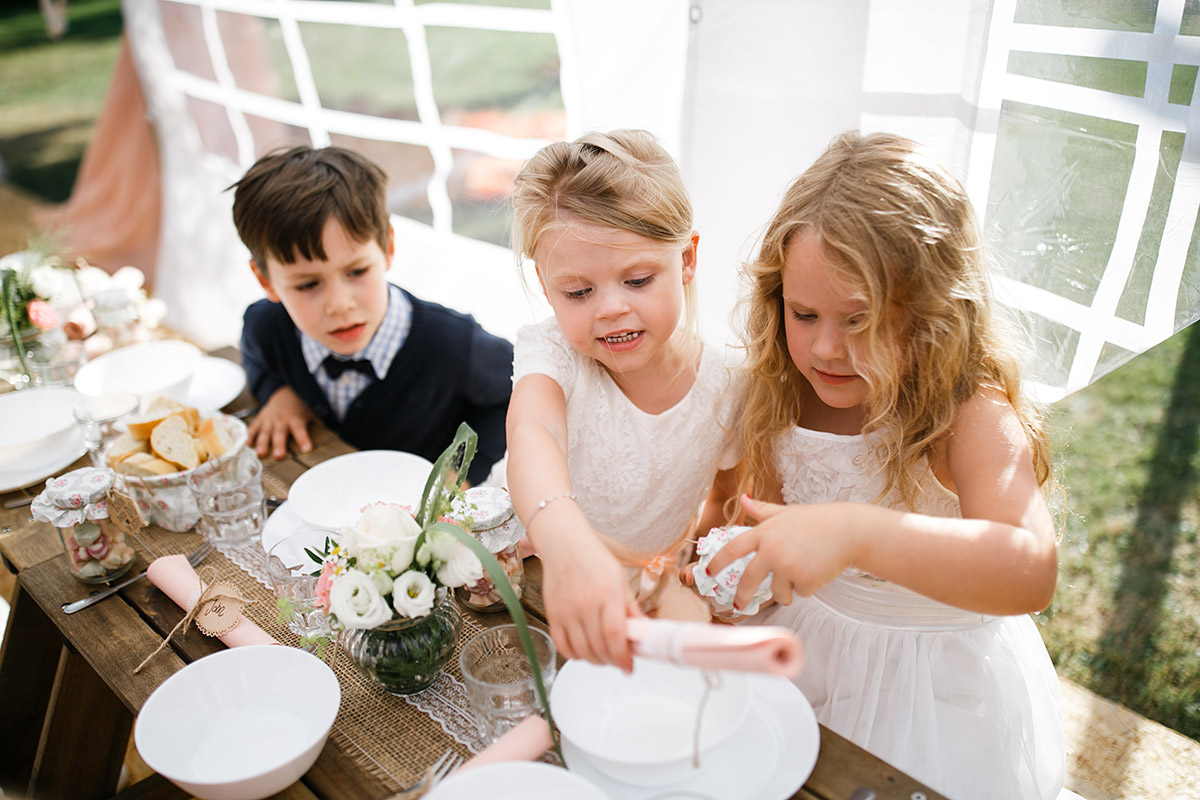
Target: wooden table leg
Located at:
point(83, 742)
point(28, 662)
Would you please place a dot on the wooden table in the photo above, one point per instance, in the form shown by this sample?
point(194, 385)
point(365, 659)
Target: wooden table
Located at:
point(70, 694)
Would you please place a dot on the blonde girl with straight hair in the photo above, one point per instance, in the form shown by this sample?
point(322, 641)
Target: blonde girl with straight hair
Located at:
point(898, 475)
point(619, 422)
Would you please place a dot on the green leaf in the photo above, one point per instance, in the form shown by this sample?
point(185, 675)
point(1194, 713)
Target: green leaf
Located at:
point(447, 476)
point(500, 579)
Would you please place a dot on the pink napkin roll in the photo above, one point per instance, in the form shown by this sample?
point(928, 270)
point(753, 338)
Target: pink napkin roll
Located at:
point(773, 650)
point(528, 740)
point(175, 576)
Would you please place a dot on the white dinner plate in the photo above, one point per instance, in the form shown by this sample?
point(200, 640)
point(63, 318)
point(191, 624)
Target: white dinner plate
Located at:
point(768, 758)
point(33, 423)
point(215, 384)
point(20, 476)
point(516, 780)
point(333, 494)
point(282, 523)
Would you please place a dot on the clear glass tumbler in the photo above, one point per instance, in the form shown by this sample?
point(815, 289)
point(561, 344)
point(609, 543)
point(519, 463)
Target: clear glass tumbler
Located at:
point(499, 681)
point(102, 419)
point(229, 494)
point(294, 567)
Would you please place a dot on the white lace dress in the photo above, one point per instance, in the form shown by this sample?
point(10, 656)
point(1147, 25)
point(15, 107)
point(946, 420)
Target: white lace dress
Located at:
point(968, 704)
point(640, 478)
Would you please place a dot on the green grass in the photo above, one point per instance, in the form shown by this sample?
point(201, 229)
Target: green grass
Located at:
point(1125, 621)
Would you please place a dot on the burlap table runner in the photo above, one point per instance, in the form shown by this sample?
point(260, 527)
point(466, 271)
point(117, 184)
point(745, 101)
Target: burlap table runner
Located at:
point(394, 738)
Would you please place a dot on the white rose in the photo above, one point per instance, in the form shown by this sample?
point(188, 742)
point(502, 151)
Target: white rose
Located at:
point(355, 601)
point(413, 594)
point(454, 564)
point(385, 528)
point(383, 581)
point(48, 282)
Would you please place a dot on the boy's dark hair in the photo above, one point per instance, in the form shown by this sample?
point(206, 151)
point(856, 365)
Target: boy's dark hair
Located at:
point(281, 204)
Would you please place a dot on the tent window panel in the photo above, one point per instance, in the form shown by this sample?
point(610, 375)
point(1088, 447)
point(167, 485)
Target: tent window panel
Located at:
point(1111, 357)
point(1114, 15)
point(1105, 74)
point(1132, 305)
point(1187, 302)
point(1051, 218)
point(500, 3)
point(257, 55)
point(212, 123)
point(1190, 26)
point(1048, 336)
point(184, 32)
point(488, 79)
point(270, 134)
point(409, 168)
point(1183, 84)
point(363, 70)
point(480, 187)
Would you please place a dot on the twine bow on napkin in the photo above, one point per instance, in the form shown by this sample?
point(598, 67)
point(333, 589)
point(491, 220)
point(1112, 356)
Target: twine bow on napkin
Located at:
point(216, 611)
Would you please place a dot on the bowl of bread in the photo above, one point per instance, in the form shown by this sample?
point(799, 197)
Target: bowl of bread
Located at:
point(162, 446)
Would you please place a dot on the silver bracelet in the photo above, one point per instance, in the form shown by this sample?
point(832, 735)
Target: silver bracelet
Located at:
point(545, 503)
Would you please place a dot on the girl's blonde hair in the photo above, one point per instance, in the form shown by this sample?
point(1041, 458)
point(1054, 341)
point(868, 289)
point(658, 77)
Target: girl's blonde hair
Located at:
point(899, 232)
point(622, 179)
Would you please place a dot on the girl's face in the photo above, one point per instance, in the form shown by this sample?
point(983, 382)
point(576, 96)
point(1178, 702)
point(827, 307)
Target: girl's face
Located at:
point(617, 296)
point(819, 319)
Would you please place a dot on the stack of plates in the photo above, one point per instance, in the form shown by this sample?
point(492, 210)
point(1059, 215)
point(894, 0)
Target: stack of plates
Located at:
point(38, 435)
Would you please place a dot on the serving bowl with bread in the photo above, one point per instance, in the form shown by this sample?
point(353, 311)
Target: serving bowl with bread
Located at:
point(162, 446)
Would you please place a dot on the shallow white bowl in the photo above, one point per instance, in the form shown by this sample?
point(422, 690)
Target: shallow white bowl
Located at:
point(150, 370)
point(639, 728)
point(34, 423)
point(241, 724)
point(333, 493)
point(516, 780)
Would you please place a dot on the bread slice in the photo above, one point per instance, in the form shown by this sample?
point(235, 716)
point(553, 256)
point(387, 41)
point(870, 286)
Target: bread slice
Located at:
point(171, 441)
point(144, 465)
point(143, 425)
point(214, 437)
point(124, 446)
point(201, 450)
point(190, 413)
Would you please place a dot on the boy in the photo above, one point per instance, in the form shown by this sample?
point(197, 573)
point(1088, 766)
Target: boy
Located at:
point(334, 341)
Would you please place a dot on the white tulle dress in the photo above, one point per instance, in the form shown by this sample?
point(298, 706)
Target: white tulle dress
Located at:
point(966, 703)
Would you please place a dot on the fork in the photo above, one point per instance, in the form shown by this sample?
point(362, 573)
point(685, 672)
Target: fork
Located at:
point(437, 771)
point(198, 555)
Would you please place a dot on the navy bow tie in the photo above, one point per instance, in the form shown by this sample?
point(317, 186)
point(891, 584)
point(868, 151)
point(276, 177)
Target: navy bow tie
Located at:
point(334, 367)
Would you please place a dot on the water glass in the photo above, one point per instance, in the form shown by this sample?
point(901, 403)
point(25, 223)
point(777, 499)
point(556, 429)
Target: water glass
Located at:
point(102, 419)
point(498, 678)
point(229, 494)
point(293, 572)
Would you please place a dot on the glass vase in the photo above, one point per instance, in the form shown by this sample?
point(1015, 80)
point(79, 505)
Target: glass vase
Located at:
point(405, 656)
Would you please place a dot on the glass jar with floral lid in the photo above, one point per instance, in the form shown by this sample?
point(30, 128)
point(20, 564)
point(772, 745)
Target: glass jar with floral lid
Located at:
point(77, 504)
point(488, 513)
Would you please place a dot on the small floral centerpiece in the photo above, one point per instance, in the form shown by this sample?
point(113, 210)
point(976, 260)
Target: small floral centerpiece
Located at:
point(29, 281)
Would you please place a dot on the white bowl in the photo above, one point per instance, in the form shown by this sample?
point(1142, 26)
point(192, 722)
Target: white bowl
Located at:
point(241, 724)
point(34, 423)
point(516, 780)
point(639, 728)
point(333, 494)
point(150, 370)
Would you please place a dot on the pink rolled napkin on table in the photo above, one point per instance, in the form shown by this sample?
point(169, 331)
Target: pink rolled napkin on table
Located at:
point(772, 650)
point(175, 576)
point(528, 740)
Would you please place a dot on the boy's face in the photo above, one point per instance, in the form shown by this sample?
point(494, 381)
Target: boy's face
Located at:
point(340, 301)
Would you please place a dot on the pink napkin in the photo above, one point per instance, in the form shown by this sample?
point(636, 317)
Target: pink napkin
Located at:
point(175, 576)
point(747, 648)
point(528, 740)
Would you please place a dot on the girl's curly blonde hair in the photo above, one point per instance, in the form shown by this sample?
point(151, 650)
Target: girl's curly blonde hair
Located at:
point(899, 231)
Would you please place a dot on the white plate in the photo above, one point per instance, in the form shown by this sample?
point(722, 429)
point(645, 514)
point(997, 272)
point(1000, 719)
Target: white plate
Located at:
point(216, 383)
point(333, 494)
point(768, 758)
point(18, 477)
point(149, 370)
point(282, 523)
point(516, 780)
point(33, 421)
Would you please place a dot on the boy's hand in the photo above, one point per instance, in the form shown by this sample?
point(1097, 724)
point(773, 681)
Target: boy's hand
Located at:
point(283, 416)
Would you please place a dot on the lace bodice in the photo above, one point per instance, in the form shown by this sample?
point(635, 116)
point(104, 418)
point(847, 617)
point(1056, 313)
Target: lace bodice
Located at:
point(640, 478)
point(817, 467)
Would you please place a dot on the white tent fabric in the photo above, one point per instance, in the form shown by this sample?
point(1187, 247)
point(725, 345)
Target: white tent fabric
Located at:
point(1068, 122)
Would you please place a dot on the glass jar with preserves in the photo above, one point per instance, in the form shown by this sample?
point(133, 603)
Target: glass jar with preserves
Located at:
point(489, 515)
point(77, 504)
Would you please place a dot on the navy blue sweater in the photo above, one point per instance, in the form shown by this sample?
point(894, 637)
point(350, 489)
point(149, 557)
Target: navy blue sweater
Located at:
point(449, 371)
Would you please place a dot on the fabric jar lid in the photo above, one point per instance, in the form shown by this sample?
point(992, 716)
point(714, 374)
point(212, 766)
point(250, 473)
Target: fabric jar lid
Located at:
point(492, 518)
point(74, 497)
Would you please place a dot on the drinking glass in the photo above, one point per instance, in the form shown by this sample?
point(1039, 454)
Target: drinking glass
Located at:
point(498, 678)
point(102, 419)
point(229, 494)
point(294, 572)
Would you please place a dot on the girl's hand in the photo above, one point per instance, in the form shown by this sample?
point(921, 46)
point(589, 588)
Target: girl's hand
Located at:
point(804, 547)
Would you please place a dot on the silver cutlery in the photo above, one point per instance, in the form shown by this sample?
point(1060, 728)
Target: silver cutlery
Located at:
point(437, 771)
point(23, 501)
point(198, 555)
